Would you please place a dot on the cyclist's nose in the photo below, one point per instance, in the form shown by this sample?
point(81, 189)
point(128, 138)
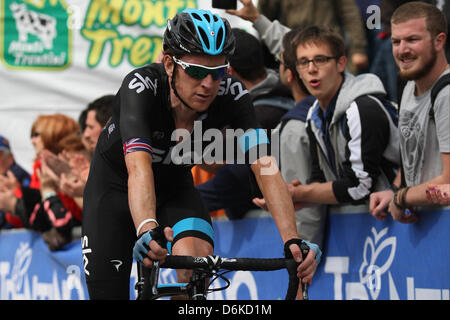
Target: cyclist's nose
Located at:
point(208, 81)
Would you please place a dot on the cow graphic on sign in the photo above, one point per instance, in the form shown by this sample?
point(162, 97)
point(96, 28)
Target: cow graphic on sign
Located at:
point(32, 22)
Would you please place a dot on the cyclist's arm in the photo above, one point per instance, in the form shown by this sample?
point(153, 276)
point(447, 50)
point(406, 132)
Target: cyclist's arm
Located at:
point(280, 205)
point(141, 189)
point(276, 195)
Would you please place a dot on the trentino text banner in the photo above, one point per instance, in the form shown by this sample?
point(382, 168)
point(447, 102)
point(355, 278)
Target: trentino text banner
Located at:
point(364, 259)
point(59, 55)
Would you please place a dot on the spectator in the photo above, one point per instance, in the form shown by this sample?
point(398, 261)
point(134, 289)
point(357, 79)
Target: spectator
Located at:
point(271, 33)
point(98, 114)
point(76, 159)
point(295, 159)
point(270, 97)
point(65, 175)
point(82, 123)
point(10, 173)
point(353, 136)
point(232, 188)
point(341, 15)
point(418, 39)
point(39, 206)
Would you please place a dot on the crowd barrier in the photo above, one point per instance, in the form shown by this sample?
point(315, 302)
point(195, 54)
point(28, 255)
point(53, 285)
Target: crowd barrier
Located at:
point(364, 259)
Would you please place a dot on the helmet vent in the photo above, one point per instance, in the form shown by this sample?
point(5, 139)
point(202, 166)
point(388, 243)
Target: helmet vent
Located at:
point(190, 25)
point(204, 37)
point(196, 16)
point(219, 38)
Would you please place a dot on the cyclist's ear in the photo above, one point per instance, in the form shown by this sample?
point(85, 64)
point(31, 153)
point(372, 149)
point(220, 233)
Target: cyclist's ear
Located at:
point(168, 64)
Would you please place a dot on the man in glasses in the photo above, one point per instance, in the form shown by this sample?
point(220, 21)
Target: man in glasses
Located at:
point(140, 186)
point(352, 132)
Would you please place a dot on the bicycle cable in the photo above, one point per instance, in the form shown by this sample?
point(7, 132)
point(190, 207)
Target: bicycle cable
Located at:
point(219, 275)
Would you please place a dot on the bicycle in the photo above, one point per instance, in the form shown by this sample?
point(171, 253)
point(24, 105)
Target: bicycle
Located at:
point(206, 267)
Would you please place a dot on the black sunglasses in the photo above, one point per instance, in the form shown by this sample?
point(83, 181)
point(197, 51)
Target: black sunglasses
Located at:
point(200, 72)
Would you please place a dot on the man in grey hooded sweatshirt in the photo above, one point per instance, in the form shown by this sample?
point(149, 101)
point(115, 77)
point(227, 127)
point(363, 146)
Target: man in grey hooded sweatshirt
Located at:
point(352, 128)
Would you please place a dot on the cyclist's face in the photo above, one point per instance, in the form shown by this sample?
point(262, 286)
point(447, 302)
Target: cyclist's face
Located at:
point(197, 93)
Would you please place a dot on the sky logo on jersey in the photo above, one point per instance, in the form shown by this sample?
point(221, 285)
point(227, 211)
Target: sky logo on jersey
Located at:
point(140, 84)
point(136, 144)
point(35, 34)
point(236, 89)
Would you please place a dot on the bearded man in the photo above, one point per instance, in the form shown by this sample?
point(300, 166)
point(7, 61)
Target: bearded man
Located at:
point(419, 34)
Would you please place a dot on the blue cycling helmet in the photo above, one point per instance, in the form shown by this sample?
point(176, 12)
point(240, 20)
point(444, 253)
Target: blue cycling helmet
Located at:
point(195, 31)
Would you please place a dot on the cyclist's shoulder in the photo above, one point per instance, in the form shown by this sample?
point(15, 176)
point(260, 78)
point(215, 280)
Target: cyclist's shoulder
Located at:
point(147, 78)
point(231, 89)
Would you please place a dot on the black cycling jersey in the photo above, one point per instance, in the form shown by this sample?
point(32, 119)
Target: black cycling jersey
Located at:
point(142, 118)
point(142, 121)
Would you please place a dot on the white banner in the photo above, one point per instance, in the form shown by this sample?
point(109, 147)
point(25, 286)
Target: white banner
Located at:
point(59, 55)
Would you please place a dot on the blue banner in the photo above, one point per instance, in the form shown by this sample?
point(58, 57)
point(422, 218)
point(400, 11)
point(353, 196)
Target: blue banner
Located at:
point(363, 259)
point(29, 271)
point(370, 259)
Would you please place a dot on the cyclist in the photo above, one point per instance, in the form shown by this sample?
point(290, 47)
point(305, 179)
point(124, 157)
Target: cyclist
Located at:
point(135, 187)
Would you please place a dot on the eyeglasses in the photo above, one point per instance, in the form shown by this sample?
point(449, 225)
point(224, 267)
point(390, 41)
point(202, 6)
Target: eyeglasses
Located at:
point(318, 61)
point(200, 72)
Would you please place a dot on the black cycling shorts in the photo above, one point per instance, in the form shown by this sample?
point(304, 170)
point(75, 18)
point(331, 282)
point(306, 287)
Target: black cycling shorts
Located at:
point(109, 233)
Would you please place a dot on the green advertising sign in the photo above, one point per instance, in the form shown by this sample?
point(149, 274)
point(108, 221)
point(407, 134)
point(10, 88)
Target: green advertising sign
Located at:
point(108, 24)
point(35, 34)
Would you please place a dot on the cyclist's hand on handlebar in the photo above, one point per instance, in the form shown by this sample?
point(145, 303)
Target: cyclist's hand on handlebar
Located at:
point(151, 245)
point(308, 266)
point(307, 269)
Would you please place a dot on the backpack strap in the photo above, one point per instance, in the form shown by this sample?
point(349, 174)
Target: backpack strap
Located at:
point(438, 86)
